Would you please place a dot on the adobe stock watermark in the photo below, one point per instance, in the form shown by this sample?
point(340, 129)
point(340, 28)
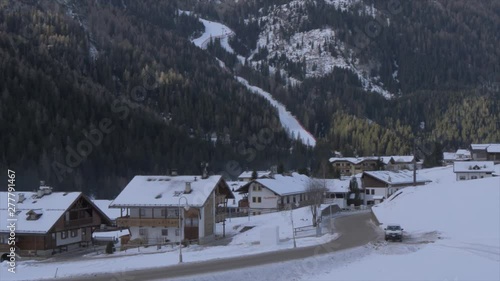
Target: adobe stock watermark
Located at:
point(93, 136)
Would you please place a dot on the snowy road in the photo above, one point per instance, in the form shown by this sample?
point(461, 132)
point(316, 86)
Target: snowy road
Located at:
point(355, 230)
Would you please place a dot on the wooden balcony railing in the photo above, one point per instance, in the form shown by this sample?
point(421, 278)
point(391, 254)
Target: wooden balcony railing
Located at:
point(127, 222)
point(219, 199)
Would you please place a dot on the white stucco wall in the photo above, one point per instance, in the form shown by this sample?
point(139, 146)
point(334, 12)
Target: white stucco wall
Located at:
point(469, 176)
point(154, 234)
point(268, 198)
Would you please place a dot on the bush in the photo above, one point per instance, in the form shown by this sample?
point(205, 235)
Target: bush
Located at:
point(110, 247)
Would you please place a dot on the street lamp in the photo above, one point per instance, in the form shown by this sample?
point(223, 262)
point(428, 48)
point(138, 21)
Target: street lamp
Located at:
point(186, 207)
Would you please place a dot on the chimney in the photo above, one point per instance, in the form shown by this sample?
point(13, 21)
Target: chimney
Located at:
point(173, 173)
point(204, 175)
point(39, 193)
point(21, 198)
point(187, 189)
point(195, 179)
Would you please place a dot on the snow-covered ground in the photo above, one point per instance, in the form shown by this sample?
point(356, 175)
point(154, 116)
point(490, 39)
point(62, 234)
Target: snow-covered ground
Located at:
point(289, 122)
point(452, 232)
point(243, 243)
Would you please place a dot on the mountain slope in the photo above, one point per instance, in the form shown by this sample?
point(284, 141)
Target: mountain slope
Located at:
point(98, 91)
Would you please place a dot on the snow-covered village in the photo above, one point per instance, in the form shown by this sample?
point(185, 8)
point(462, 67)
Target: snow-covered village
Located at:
point(288, 224)
point(249, 140)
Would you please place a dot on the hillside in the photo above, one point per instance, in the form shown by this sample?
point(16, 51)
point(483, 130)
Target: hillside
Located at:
point(392, 64)
point(94, 92)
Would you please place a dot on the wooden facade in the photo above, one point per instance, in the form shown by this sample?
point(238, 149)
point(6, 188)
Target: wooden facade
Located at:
point(73, 228)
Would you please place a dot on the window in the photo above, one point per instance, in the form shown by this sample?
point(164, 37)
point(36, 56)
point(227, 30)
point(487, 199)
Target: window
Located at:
point(462, 178)
point(163, 212)
point(177, 232)
point(288, 199)
point(373, 191)
point(259, 199)
point(143, 231)
point(367, 191)
point(294, 200)
point(473, 177)
point(74, 233)
point(164, 232)
point(142, 212)
point(64, 234)
point(173, 213)
point(192, 222)
point(254, 199)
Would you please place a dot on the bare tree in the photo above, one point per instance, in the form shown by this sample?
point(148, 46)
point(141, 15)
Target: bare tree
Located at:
point(315, 192)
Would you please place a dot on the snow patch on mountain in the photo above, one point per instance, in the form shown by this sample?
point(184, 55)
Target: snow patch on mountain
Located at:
point(319, 50)
point(288, 121)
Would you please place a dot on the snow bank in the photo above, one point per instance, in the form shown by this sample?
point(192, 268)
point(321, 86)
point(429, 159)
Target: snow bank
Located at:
point(243, 243)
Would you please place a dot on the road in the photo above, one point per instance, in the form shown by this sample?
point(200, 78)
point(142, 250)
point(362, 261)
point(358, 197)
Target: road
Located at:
point(355, 230)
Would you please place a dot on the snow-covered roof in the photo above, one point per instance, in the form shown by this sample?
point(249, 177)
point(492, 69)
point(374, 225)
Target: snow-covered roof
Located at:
point(336, 185)
point(448, 156)
point(112, 213)
point(474, 166)
point(482, 146)
point(494, 148)
point(48, 208)
point(248, 174)
point(282, 185)
point(352, 160)
point(463, 152)
point(396, 177)
point(235, 185)
point(166, 191)
point(397, 158)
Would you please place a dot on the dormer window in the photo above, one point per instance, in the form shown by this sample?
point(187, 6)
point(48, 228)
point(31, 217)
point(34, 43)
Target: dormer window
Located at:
point(34, 214)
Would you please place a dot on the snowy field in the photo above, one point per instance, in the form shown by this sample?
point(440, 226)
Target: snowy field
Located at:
point(243, 243)
point(288, 121)
point(452, 232)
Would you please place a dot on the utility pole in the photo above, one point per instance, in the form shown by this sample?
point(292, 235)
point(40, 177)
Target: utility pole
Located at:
point(415, 162)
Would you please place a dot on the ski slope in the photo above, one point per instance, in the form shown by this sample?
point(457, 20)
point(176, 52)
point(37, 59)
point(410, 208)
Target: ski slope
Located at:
point(288, 121)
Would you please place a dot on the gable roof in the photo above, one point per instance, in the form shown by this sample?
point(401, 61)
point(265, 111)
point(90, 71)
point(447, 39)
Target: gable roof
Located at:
point(493, 148)
point(281, 185)
point(163, 191)
point(353, 160)
point(485, 146)
point(474, 167)
point(336, 185)
point(395, 177)
point(49, 209)
point(248, 174)
point(103, 205)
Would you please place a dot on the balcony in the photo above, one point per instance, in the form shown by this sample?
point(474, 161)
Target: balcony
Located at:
point(161, 222)
point(220, 199)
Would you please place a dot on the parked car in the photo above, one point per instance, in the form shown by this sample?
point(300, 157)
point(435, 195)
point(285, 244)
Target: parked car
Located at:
point(394, 232)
